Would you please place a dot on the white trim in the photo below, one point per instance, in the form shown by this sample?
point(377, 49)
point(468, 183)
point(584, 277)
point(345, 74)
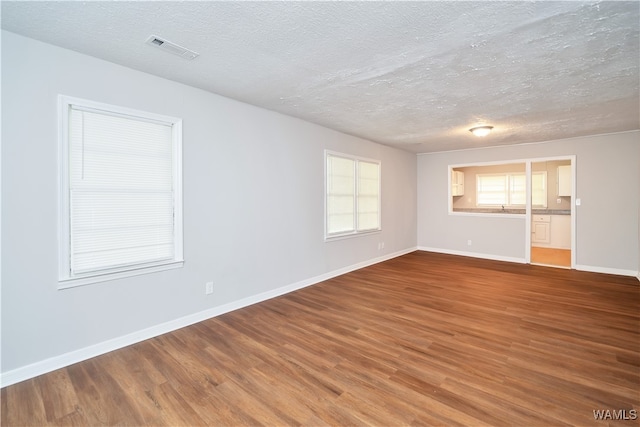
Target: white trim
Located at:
point(130, 272)
point(528, 210)
point(511, 161)
point(589, 268)
point(64, 239)
point(110, 109)
point(473, 254)
point(572, 158)
point(430, 153)
point(42, 367)
point(351, 234)
point(607, 270)
point(178, 200)
point(574, 197)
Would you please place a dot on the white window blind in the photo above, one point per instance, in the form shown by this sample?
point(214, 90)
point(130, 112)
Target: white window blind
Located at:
point(510, 189)
point(352, 195)
point(368, 196)
point(539, 189)
point(492, 190)
point(340, 195)
point(517, 190)
point(122, 193)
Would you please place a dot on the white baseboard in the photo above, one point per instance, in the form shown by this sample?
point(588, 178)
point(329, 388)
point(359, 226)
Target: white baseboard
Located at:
point(607, 270)
point(590, 268)
point(473, 254)
point(33, 370)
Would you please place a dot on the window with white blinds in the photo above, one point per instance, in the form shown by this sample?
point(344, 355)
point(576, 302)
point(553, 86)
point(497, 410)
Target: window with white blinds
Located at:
point(352, 195)
point(510, 189)
point(539, 189)
point(492, 190)
point(121, 211)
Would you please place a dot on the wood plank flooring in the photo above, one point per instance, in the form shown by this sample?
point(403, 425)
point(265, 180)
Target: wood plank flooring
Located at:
point(423, 339)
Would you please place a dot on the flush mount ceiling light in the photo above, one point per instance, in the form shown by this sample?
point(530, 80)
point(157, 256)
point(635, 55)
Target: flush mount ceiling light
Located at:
point(171, 47)
point(481, 130)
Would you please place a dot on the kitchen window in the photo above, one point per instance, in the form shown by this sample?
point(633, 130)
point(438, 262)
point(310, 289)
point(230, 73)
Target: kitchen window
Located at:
point(120, 192)
point(510, 190)
point(352, 195)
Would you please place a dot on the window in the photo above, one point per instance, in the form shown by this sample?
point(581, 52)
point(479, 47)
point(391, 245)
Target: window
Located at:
point(509, 189)
point(120, 192)
point(352, 195)
point(539, 189)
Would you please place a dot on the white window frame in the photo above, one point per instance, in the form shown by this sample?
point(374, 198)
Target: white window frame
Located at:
point(356, 229)
point(66, 279)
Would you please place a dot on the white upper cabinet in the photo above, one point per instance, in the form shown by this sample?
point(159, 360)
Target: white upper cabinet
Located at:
point(457, 183)
point(564, 180)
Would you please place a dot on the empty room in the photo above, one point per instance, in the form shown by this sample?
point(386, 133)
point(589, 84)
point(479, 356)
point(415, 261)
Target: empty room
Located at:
point(320, 213)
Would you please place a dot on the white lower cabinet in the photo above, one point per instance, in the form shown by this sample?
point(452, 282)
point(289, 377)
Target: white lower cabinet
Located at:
point(541, 229)
point(551, 231)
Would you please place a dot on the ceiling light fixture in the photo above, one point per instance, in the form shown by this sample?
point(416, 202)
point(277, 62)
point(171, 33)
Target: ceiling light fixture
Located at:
point(481, 130)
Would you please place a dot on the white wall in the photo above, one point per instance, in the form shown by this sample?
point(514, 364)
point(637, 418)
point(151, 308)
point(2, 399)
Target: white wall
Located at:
point(253, 209)
point(606, 222)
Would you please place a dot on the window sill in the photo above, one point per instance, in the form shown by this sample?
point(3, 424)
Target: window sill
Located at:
point(351, 235)
point(81, 281)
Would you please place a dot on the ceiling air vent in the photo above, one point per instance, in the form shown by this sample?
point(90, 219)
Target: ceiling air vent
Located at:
point(170, 47)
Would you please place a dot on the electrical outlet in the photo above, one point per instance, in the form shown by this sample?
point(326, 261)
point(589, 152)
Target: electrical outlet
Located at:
point(558, 200)
point(208, 288)
point(468, 242)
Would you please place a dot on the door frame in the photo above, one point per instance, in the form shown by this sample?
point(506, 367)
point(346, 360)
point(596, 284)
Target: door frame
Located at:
point(529, 210)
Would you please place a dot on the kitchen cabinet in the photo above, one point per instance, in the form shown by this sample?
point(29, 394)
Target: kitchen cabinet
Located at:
point(457, 183)
point(564, 180)
point(551, 231)
point(541, 229)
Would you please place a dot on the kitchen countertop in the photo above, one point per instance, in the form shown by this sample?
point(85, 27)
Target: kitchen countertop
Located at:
point(515, 211)
point(551, 211)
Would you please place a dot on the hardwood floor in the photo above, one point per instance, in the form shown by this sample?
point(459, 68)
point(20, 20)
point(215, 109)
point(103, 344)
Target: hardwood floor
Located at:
point(551, 256)
point(423, 339)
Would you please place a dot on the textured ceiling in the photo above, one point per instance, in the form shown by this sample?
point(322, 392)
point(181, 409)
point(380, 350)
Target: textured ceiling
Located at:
point(415, 75)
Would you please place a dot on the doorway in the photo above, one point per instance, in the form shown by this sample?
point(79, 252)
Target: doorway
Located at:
point(551, 219)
